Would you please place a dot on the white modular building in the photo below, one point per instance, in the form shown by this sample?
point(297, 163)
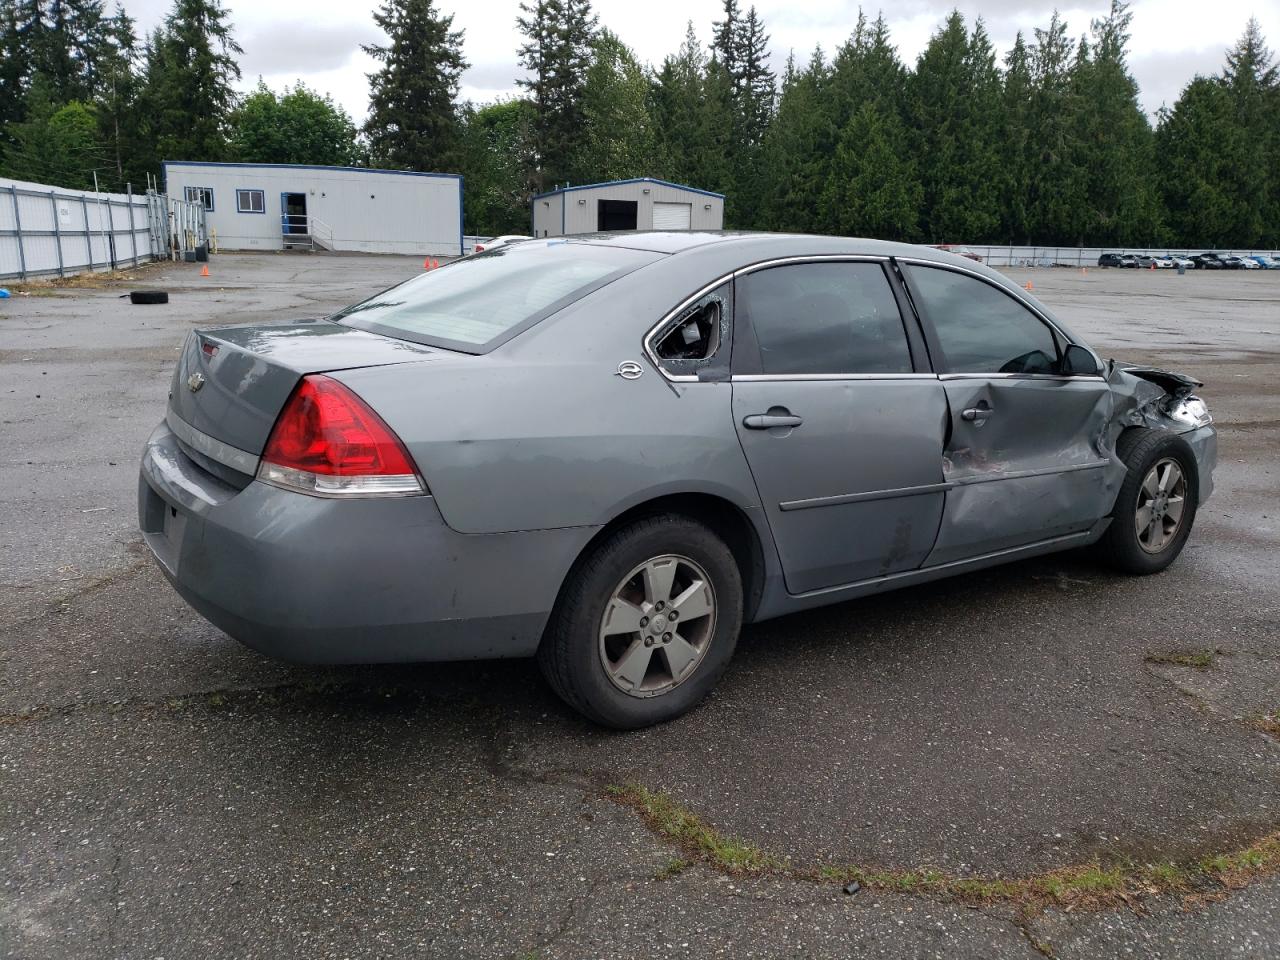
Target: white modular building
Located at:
point(274, 206)
point(639, 204)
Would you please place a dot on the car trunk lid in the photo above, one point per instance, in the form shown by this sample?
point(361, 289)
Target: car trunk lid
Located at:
point(230, 384)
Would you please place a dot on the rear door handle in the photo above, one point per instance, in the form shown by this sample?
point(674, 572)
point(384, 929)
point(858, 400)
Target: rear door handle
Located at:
point(977, 413)
point(763, 421)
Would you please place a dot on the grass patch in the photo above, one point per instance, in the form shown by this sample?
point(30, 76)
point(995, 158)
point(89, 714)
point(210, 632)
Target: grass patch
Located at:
point(671, 821)
point(672, 869)
point(1195, 659)
point(1086, 886)
point(1269, 723)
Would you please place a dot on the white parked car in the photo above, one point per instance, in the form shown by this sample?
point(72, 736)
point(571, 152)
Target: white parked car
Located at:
point(501, 241)
point(1178, 260)
point(1248, 263)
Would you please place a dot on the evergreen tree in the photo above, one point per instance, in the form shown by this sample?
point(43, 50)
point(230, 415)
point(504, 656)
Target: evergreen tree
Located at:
point(873, 189)
point(1253, 81)
point(954, 108)
point(557, 53)
point(119, 85)
point(1114, 142)
point(620, 139)
point(796, 149)
point(1056, 184)
point(413, 120)
point(678, 109)
point(187, 94)
point(56, 144)
point(1015, 145)
point(15, 65)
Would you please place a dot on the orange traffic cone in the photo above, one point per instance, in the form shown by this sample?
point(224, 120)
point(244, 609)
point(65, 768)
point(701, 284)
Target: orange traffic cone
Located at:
point(204, 271)
point(426, 264)
point(434, 263)
point(1028, 286)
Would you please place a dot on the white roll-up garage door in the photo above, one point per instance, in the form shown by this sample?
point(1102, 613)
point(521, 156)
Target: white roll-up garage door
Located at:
point(671, 216)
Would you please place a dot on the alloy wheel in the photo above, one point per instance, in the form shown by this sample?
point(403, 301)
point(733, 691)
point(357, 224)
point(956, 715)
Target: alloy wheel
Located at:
point(1161, 500)
point(657, 626)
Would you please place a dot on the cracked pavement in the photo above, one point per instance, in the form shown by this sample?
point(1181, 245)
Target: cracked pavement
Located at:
point(166, 792)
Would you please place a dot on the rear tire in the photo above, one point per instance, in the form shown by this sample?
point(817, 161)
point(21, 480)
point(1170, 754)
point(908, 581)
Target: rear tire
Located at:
point(1156, 506)
point(613, 649)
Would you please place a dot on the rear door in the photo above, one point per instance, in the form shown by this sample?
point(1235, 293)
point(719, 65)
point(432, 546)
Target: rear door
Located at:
point(842, 430)
point(1023, 462)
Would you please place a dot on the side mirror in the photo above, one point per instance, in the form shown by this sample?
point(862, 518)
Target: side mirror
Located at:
point(1079, 362)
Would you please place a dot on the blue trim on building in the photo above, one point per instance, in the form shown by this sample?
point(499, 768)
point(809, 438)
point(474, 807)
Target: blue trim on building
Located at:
point(304, 166)
point(616, 183)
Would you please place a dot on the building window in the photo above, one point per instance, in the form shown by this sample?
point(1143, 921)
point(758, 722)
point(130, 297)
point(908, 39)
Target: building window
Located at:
point(199, 195)
point(251, 201)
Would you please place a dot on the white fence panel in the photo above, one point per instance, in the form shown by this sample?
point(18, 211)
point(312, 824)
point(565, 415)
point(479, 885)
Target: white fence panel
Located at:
point(49, 231)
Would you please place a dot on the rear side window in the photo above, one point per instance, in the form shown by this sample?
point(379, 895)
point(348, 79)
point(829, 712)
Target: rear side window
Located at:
point(980, 328)
point(824, 318)
point(477, 302)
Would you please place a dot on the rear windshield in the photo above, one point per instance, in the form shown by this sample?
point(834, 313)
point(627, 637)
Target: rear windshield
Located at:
point(478, 302)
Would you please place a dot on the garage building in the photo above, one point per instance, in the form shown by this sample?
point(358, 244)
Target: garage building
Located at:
point(640, 204)
point(271, 206)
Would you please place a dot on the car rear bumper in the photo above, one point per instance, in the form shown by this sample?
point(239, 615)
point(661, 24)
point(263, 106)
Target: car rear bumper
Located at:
point(345, 581)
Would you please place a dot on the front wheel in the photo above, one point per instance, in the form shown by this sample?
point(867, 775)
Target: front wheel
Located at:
point(647, 624)
point(1156, 506)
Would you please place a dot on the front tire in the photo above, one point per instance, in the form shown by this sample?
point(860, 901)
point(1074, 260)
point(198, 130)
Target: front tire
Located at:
point(1156, 506)
point(646, 625)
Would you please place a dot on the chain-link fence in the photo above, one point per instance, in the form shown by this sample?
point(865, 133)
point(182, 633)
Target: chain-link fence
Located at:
point(49, 231)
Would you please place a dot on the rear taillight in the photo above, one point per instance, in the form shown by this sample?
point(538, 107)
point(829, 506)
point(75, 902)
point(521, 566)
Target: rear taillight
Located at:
point(327, 442)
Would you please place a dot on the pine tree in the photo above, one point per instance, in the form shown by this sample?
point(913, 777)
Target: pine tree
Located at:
point(1056, 184)
point(620, 139)
point(873, 190)
point(796, 150)
point(187, 93)
point(1015, 144)
point(1113, 141)
point(15, 66)
point(678, 108)
point(557, 53)
point(119, 85)
point(954, 108)
point(1253, 81)
point(413, 119)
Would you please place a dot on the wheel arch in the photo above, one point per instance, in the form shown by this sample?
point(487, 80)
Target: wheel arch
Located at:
point(722, 516)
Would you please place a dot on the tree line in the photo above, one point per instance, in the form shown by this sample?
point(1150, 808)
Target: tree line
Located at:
point(1045, 144)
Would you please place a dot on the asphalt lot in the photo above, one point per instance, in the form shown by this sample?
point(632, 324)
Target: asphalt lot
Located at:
point(167, 793)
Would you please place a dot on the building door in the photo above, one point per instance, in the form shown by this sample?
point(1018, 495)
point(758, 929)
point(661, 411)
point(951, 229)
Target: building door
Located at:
point(616, 214)
point(671, 216)
point(293, 213)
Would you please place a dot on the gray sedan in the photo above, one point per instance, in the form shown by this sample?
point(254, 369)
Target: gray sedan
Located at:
point(614, 451)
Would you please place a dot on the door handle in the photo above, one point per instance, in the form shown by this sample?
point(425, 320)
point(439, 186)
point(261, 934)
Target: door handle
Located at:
point(763, 421)
point(977, 413)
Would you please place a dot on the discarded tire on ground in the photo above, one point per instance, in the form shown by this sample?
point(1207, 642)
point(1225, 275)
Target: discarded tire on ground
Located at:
point(149, 296)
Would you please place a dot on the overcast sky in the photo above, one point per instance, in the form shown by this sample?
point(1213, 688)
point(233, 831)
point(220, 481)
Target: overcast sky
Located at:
point(318, 41)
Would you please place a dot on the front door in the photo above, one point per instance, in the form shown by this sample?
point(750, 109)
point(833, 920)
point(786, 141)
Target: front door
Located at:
point(843, 436)
point(1023, 462)
point(293, 213)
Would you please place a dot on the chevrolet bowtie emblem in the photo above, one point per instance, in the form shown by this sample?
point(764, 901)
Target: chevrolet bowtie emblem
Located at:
point(195, 382)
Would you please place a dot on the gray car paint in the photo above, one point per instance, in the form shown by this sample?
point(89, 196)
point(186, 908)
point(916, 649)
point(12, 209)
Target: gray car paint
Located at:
point(530, 450)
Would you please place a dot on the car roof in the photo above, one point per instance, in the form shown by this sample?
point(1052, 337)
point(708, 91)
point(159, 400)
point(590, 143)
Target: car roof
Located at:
point(758, 245)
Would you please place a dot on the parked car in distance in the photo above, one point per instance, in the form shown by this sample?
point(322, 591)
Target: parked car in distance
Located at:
point(611, 452)
point(1118, 260)
point(501, 241)
point(1181, 260)
point(1207, 261)
point(1148, 260)
point(1247, 263)
point(1266, 262)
